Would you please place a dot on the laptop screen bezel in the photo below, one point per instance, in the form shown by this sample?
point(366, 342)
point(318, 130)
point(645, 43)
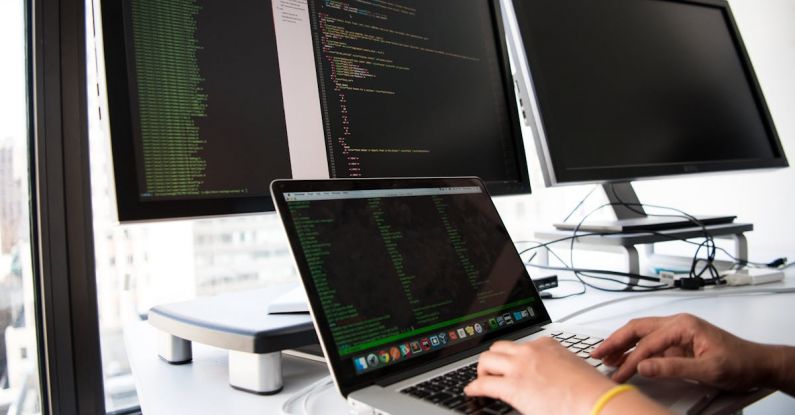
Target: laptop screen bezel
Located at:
point(347, 380)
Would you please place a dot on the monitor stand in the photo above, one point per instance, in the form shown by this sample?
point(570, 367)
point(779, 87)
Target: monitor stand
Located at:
point(631, 217)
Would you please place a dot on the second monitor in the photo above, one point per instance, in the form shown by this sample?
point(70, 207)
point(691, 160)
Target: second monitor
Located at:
point(619, 90)
point(209, 103)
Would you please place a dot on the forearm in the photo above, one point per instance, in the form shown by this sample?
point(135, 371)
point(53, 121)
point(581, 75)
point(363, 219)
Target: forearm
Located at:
point(633, 402)
point(781, 369)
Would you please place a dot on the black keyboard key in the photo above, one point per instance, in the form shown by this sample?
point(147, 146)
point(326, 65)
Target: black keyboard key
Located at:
point(420, 393)
point(469, 406)
point(453, 402)
point(499, 407)
point(439, 397)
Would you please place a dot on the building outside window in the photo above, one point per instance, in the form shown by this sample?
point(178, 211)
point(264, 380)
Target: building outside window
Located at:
point(19, 380)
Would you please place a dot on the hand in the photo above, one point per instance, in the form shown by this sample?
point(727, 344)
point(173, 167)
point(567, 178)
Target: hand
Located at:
point(538, 377)
point(683, 346)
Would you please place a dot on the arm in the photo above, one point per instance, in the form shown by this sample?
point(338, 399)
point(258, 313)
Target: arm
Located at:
point(684, 346)
point(781, 367)
point(542, 377)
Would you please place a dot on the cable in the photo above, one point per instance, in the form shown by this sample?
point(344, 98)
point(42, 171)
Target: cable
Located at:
point(583, 273)
point(569, 268)
point(597, 271)
point(305, 394)
point(779, 263)
point(582, 201)
point(695, 280)
point(708, 240)
point(721, 293)
point(313, 393)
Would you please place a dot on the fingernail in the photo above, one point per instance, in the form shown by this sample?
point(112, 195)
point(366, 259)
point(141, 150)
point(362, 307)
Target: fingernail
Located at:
point(648, 369)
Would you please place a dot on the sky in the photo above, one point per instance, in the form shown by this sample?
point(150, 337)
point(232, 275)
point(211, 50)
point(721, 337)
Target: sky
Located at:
point(12, 70)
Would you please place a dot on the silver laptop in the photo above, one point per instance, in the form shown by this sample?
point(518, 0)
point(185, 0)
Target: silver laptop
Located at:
point(408, 280)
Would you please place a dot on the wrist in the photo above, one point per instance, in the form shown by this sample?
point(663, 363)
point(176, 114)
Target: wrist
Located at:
point(632, 402)
point(593, 393)
point(606, 399)
point(778, 373)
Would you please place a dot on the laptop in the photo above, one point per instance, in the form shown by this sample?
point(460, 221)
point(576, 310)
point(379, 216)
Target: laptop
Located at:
point(408, 280)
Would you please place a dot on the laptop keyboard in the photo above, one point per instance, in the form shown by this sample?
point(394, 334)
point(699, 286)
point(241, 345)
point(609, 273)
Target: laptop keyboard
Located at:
point(582, 346)
point(447, 390)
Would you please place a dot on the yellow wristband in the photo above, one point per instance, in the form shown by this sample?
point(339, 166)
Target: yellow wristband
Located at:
point(608, 396)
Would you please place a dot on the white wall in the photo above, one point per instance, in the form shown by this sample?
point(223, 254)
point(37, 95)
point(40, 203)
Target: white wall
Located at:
point(765, 198)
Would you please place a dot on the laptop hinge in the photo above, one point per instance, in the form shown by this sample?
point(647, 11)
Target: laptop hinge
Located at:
point(392, 379)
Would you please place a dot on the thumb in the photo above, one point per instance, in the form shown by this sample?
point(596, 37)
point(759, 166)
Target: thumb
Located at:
point(672, 367)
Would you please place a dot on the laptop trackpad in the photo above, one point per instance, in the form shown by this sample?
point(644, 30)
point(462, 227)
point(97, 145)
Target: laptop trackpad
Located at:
point(677, 395)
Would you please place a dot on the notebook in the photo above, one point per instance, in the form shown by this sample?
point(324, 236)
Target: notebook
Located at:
point(408, 280)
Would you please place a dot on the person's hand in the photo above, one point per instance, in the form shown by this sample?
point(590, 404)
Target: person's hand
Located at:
point(538, 377)
point(686, 347)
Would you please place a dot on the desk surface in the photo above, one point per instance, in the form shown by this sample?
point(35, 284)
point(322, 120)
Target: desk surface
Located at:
point(201, 387)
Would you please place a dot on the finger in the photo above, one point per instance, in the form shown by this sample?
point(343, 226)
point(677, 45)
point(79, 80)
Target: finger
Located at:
point(615, 360)
point(676, 352)
point(505, 347)
point(492, 386)
point(627, 336)
point(494, 363)
point(672, 367)
point(654, 343)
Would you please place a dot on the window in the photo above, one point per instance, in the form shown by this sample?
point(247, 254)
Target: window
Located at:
point(142, 265)
point(19, 380)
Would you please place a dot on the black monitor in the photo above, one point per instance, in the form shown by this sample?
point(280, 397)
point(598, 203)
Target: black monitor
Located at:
point(210, 101)
point(619, 90)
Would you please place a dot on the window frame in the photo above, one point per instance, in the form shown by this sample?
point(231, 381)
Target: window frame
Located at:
point(67, 319)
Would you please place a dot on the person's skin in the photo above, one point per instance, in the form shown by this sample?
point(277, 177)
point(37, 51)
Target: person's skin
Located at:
point(686, 347)
point(543, 377)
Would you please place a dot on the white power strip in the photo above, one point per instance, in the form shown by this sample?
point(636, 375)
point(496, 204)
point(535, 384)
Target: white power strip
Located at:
point(754, 276)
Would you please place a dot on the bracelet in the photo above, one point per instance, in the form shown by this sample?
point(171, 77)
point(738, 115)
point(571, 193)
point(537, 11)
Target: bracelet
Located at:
point(608, 396)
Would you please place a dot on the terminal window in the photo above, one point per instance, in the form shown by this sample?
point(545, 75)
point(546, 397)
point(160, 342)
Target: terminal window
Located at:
point(389, 267)
point(207, 108)
point(412, 88)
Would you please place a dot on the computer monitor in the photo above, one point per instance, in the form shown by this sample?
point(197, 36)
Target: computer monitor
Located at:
point(620, 90)
point(210, 101)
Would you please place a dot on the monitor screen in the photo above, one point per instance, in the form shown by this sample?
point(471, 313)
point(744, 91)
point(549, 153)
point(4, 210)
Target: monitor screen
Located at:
point(439, 269)
point(627, 89)
point(210, 102)
point(415, 83)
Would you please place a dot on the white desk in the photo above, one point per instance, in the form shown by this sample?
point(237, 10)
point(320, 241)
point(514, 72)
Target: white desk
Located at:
point(201, 387)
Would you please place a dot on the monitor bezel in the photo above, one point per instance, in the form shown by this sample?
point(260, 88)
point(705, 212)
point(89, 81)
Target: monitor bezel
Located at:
point(130, 207)
point(555, 176)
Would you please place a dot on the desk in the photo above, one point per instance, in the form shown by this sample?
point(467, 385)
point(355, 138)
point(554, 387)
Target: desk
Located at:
point(201, 387)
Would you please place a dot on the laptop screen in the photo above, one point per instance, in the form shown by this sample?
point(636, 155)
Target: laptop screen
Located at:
point(400, 272)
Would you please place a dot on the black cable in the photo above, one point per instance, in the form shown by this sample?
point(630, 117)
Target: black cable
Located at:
point(632, 207)
point(570, 268)
point(581, 292)
point(737, 261)
point(583, 283)
point(580, 274)
point(694, 274)
point(779, 263)
point(582, 201)
point(605, 272)
point(586, 273)
point(707, 236)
